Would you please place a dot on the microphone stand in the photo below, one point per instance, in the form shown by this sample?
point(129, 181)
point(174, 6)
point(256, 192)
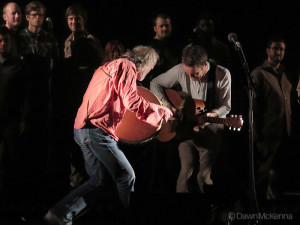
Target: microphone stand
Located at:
point(50, 28)
point(253, 205)
point(51, 71)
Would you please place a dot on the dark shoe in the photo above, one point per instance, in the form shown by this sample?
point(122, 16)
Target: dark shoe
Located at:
point(52, 219)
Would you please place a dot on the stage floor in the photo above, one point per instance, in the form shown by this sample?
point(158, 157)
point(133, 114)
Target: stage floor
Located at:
point(174, 208)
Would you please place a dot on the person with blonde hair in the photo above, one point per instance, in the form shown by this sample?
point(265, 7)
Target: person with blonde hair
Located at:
point(12, 16)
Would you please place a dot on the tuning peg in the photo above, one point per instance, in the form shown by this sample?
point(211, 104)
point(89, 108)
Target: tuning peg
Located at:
point(239, 129)
point(229, 128)
point(234, 128)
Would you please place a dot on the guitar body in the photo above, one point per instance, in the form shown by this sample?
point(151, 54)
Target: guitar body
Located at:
point(168, 130)
point(131, 130)
point(182, 126)
point(187, 119)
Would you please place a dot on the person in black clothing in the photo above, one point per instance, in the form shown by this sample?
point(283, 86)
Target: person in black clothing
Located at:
point(168, 50)
point(12, 92)
point(162, 163)
point(204, 34)
point(39, 50)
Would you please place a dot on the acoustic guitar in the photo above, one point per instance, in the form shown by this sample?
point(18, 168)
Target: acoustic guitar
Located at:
point(189, 111)
point(133, 131)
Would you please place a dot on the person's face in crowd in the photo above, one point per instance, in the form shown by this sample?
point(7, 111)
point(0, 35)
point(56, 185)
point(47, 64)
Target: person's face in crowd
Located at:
point(36, 18)
point(5, 45)
point(195, 72)
point(207, 26)
point(276, 52)
point(163, 28)
point(12, 16)
point(144, 71)
point(76, 23)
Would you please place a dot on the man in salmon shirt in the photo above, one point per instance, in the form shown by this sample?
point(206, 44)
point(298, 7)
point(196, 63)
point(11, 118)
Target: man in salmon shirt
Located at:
point(112, 91)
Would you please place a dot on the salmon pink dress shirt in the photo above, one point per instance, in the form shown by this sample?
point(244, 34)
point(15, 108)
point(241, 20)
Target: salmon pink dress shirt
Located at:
point(111, 91)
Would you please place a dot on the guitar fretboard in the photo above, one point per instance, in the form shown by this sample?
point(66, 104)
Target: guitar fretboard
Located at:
point(214, 120)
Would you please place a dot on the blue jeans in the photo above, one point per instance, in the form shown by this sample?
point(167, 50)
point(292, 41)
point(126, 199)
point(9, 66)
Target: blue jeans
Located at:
point(102, 158)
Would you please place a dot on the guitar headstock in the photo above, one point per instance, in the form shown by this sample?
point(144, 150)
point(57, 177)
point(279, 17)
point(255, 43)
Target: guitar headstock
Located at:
point(234, 122)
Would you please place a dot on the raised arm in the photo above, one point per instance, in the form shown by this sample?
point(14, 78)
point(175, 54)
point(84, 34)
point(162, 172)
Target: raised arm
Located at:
point(165, 80)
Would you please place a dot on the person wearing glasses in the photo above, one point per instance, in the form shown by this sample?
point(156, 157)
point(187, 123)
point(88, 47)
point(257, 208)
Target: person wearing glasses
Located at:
point(39, 51)
point(272, 119)
point(33, 39)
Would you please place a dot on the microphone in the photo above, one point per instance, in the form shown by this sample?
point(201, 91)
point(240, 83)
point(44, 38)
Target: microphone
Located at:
point(50, 24)
point(232, 37)
point(195, 29)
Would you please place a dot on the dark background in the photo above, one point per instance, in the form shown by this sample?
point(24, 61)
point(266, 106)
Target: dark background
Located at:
point(131, 21)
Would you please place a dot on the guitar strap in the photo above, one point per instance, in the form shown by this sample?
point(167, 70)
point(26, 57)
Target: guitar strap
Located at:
point(210, 86)
point(211, 83)
point(188, 84)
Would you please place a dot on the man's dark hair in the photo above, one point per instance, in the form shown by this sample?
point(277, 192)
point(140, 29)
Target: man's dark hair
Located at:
point(161, 15)
point(194, 55)
point(76, 9)
point(275, 39)
point(205, 16)
point(34, 6)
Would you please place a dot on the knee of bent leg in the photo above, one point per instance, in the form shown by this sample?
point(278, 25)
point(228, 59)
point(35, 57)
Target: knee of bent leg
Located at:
point(187, 158)
point(186, 167)
point(127, 179)
point(131, 178)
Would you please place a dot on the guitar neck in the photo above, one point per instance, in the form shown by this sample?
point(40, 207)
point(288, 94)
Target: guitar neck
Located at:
point(214, 120)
